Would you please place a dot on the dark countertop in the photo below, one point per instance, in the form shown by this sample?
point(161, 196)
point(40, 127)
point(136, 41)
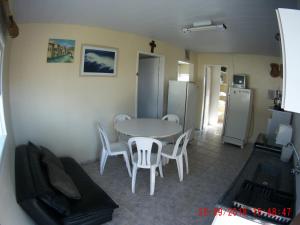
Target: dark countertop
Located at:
point(264, 168)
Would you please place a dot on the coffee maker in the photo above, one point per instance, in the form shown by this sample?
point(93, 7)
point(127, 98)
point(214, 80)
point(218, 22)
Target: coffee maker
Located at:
point(277, 100)
point(276, 97)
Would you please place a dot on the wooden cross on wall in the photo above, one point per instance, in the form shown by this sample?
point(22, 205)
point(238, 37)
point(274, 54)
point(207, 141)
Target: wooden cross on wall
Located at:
point(152, 45)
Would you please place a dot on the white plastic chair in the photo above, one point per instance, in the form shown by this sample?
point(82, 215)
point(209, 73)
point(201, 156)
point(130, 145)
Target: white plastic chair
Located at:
point(185, 151)
point(171, 117)
point(121, 117)
point(113, 149)
point(177, 152)
point(145, 158)
point(117, 118)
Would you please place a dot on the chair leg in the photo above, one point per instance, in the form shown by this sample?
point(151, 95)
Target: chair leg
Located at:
point(127, 163)
point(179, 167)
point(103, 161)
point(186, 162)
point(134, 172)
point(167, 160)
point(160, 170)
point(152, 180)
point(118, 136)
point(163, 160)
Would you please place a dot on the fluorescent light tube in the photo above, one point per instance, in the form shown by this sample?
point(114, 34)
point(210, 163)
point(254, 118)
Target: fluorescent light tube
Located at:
point(182, 62)
point(208, 27)
point(202, 23)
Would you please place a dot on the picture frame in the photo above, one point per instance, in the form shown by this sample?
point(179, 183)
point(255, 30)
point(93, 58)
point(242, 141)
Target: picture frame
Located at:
point(60, 50)
point(98, 61)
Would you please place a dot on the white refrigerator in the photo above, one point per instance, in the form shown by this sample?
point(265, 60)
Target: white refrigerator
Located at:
point(182, 101)
point(238, 116)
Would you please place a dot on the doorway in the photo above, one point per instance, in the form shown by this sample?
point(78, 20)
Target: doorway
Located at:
point(150, 85)
point(214, 97)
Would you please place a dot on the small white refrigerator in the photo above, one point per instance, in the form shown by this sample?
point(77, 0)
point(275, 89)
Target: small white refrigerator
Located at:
point(182, 101)
point(238, 116)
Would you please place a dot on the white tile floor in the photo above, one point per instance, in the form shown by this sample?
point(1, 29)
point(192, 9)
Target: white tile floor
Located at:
point(213, 166)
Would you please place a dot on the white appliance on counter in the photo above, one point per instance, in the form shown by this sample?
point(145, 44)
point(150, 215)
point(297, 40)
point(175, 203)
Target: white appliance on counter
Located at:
point(238, 116)
point(182, 101)
point(278, 118)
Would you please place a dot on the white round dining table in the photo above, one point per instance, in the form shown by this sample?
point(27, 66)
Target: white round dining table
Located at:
point(154, 128)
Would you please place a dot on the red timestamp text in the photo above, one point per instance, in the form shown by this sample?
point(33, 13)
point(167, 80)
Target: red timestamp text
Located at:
point(285, 212)
point(222, 212)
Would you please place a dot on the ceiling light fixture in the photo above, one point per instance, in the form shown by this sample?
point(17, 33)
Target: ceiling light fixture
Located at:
point(203, 25)
point(183, 62)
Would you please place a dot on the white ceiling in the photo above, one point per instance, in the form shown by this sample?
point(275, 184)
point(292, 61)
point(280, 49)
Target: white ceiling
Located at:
point(251, 23)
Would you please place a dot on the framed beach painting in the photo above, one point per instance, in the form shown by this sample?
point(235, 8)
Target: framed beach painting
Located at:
point(60, 51)
point(98, 61)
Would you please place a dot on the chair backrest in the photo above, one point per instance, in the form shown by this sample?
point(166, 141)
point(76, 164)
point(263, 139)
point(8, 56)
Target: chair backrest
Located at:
point(103, 138)
point(121, 117)
point(171, 117)
point(144, 147)
point(181, 143)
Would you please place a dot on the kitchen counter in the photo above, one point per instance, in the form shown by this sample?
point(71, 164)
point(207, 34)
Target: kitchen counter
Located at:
point(270, 178)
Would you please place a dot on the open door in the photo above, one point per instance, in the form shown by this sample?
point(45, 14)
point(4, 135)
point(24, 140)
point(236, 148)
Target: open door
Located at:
point(215, 89)
point(206, 97)
point(149, 87)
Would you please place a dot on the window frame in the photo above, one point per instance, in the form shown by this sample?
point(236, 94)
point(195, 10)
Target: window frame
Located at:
point(3, 131)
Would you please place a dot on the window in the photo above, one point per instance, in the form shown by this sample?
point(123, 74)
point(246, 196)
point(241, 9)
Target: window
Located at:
point(185, 71)
point(184, 77)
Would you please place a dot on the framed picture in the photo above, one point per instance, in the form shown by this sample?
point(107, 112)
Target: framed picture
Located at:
point(60, 51)
point(98, 61)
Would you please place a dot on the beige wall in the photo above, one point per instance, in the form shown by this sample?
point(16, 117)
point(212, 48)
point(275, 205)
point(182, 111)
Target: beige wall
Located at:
point(11, 212)
point(258, 69)
point(52, 105)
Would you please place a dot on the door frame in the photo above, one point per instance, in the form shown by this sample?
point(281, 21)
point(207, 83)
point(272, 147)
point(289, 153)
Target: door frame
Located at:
point(161, 84)
point(204, 94)
point(3, 131)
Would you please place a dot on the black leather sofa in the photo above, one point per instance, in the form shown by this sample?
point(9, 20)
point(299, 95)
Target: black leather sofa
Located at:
point(95, 206)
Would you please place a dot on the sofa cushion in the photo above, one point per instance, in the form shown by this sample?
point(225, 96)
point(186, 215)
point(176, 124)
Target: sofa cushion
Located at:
point(56, 201)
point(25, 188)
point(48, 156)
point(93, 198)
point(37, 170)
point(44, 190)
point(61, 181)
